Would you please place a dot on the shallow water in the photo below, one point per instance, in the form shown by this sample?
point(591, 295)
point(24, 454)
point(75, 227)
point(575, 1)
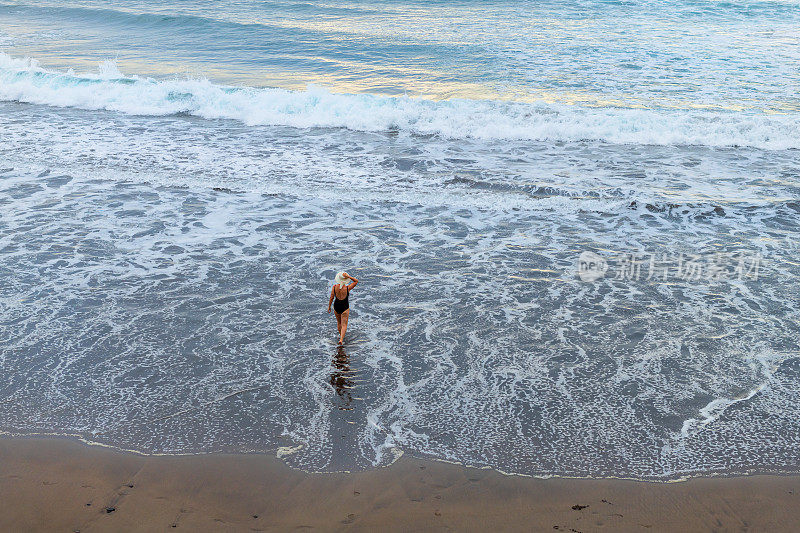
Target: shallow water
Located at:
point(167, 243)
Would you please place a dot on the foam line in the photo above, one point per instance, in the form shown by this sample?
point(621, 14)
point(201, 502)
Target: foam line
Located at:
point(23, 80)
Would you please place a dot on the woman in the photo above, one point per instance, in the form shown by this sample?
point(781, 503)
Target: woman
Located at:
point(341, 292)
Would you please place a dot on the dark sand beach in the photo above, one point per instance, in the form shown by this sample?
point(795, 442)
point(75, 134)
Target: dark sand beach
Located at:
point(65, 485)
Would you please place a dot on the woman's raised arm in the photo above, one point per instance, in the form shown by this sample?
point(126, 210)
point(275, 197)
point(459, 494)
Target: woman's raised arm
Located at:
point(355, 281)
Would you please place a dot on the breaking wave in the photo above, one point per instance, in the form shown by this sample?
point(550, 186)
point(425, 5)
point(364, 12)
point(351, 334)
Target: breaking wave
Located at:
point(23, 80)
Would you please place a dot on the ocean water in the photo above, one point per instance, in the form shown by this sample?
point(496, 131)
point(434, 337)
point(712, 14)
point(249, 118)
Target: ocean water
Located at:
point(575, 224)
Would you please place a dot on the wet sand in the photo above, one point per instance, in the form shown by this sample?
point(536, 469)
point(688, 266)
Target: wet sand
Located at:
point(65, 485)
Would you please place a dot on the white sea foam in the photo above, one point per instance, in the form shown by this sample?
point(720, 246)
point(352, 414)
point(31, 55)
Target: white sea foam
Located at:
point(23, 80)
point(176, 283)
point(143, 296)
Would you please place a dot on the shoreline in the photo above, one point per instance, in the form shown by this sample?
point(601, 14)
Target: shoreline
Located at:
point(51, 483)
point(282, 451)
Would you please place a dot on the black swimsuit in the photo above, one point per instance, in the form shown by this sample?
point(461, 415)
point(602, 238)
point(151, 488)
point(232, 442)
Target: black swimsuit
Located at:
point(340, 306)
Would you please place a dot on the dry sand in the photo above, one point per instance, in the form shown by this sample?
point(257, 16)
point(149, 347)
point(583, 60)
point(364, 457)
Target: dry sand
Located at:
point(64, 485)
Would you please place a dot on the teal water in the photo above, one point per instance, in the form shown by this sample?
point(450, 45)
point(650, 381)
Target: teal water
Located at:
point(179, 182)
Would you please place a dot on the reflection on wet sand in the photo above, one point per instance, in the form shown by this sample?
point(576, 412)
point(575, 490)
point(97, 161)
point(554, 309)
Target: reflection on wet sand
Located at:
point(342, 379)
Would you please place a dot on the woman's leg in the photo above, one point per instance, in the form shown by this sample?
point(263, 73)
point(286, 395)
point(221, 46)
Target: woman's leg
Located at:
point(338, 321)
point(343, 329)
